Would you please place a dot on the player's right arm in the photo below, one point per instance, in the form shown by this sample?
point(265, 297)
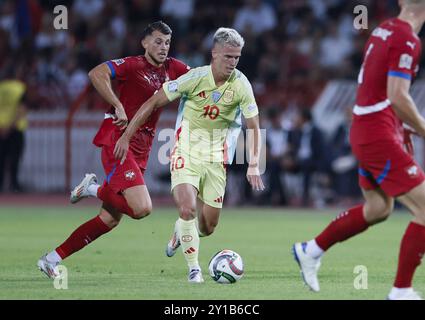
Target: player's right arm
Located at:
point(100, 76)
point(403, 104)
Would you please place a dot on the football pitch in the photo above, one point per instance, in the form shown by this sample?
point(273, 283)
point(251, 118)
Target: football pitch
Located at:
point(130, 263)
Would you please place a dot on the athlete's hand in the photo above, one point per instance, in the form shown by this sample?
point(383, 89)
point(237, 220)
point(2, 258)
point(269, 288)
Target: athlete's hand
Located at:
point(120, 119)
point(254, 178)
point(121, 149)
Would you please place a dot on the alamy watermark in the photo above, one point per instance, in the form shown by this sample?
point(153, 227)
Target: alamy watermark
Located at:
point(200, 146)
point(60, 22)
point(361, 278)
point(61, 281)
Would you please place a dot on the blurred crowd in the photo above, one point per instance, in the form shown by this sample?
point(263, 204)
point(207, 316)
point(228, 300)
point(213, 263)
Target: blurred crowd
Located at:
point(293, 47)
point(304, 166)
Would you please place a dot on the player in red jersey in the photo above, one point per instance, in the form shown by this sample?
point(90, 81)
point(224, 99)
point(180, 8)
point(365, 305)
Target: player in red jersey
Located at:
point(386, 170)
point(124, 190)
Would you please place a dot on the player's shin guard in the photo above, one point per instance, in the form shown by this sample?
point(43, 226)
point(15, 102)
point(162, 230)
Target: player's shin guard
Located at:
point(189, 240)
point(412, 249)
point(82, 236)
point(107, 195)
point(344, 226)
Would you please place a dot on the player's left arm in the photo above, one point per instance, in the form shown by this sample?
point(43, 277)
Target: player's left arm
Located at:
point(254, 147)
point(250, 112)
point(158, 100)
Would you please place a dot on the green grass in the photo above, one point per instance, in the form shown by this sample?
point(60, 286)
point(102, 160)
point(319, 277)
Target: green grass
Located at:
point(129, 262)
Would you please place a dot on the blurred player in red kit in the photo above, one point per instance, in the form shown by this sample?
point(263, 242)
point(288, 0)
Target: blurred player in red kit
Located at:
point(387, 171)
point(124, 190)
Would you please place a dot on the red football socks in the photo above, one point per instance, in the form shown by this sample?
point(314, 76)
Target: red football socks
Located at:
point(344, 226)
point(412, 249)
point(107, 195)
point(82, 236)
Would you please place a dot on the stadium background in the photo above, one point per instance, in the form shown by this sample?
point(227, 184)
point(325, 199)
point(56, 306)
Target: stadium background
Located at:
point(298, 55)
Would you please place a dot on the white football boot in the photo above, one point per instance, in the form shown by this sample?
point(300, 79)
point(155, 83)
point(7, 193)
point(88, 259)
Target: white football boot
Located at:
point(308, 266)
point(404, 294)
point(195, 276)
point(81, 191)
point(47, 267)
point(173, 244)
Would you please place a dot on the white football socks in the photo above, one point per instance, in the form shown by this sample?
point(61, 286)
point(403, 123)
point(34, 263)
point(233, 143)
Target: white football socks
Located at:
point(54, 257)
point(92, 189)
point(313, 250)
point(189, 240)
point(396, 292)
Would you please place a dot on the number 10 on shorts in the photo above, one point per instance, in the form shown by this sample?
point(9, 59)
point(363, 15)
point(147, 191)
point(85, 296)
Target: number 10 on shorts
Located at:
point(177, 163)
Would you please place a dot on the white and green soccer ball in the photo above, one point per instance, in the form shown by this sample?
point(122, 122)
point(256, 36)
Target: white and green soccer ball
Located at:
point(226, 266)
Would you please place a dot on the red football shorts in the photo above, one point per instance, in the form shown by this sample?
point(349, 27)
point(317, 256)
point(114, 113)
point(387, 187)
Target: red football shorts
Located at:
point(121, 176)
point(387, 165)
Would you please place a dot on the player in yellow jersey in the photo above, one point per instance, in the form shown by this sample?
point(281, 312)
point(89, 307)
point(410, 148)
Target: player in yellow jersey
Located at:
point(212, 100)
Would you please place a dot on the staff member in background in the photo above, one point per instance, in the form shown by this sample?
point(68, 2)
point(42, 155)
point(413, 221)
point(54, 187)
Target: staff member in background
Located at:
point(13, 124)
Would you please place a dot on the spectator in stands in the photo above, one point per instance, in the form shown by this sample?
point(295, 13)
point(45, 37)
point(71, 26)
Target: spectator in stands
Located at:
point(306, 153)
point(277, 146)
point(87, 9)
point(335, 50)
point(12, 126)
point(255, 17)
point(180, 11)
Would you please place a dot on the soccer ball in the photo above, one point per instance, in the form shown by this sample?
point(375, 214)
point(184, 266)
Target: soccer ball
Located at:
point(226, 266)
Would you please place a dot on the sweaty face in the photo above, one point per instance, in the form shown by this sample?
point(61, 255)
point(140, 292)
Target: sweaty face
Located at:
point(157, 46)
point(226, 58)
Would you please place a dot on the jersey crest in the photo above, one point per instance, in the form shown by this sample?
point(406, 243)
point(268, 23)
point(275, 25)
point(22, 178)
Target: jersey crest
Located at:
point(228, 96)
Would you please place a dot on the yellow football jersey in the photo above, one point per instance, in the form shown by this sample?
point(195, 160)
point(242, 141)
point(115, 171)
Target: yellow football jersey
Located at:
point(209, 118)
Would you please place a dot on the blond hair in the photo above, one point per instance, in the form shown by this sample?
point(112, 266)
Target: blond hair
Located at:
point(228, 36)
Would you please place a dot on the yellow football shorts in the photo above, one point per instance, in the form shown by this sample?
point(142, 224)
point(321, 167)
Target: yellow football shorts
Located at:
point(208, 178)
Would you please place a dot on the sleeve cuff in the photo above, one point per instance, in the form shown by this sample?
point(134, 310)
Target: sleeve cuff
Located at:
point(112, 68)
point(400, 74)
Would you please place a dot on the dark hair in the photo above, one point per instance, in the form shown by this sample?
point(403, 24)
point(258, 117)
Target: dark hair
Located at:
point(306, 114)
point(156, 26)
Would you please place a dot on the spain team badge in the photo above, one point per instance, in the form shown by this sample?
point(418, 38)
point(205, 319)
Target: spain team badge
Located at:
point(228, 96)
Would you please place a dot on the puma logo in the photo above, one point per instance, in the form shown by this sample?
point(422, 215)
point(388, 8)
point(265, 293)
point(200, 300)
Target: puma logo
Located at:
point(411, 44)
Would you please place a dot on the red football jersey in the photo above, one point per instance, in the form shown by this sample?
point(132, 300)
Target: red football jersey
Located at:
point(137, 82)
point(394, 50)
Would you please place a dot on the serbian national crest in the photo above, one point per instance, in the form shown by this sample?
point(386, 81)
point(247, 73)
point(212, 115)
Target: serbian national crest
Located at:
point(412, 171)
point(129, 175)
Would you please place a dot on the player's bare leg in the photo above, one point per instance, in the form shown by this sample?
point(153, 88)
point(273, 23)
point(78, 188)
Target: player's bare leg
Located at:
point(139, 200)
point(412, 246)
point(107, 219)
point(207, 218)
point(185, 198)
point(110, 216)
point(347, 224)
